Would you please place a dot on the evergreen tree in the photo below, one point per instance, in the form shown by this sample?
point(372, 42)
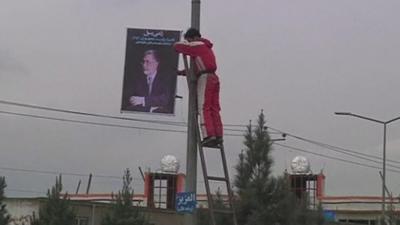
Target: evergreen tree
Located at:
point(4, 217)
point(263, 198)
point(123, 211)
point(253, 182)
point(57, 209)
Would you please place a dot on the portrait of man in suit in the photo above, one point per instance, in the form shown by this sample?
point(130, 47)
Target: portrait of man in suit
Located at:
point(150, 77)
point(151, 92)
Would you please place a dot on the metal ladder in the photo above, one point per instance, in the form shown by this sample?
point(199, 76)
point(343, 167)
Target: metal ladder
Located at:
point(207, 178)
point(225, 178)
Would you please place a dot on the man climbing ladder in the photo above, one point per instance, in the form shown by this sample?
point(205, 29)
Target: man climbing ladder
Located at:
point(200, 50)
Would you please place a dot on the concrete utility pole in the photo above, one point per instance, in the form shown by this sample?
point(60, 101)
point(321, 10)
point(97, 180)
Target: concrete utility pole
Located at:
point(191, 157)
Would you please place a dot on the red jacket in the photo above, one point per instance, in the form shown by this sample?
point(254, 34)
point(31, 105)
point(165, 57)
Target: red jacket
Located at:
point(201, 52)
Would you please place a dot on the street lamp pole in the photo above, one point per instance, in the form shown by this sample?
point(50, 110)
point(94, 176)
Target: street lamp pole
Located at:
point(385, 123)
point(384, 174)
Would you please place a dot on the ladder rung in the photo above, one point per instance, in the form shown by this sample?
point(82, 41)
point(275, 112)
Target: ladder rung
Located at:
point(215, 147)
point(217, 178)
point(225, 211)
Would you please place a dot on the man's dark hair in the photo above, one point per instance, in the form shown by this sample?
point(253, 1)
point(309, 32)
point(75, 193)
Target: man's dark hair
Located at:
point(192, 33)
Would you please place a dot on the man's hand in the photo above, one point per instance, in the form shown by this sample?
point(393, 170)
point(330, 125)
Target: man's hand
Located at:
point(137, 100)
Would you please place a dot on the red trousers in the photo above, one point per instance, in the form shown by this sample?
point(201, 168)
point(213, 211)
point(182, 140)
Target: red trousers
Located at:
point(208, 105)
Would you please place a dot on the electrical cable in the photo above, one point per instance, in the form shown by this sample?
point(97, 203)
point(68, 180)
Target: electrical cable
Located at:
point(25, 191)
point(88, 122)
point(103, 124)
point(172, 123)
point(100, 124)
point(338, 149)
point(334, 158)
point(352, 153)
point(62, 173)
point(89, 114)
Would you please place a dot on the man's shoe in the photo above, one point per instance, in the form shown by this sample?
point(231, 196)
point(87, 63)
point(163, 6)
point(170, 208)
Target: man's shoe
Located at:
point(219, 141)
point(209, 142)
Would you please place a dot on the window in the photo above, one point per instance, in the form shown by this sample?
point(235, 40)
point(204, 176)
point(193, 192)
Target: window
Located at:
point(82, 221)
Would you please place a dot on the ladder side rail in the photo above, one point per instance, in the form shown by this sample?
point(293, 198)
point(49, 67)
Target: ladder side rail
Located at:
point(207, 184)
point(205, 176)
point(228, 185)
point(200, 148)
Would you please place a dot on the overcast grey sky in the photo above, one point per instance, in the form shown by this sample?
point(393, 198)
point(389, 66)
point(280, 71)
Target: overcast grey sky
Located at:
point(299, 61)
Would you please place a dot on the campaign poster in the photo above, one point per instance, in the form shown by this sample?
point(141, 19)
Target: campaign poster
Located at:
point(150, 74)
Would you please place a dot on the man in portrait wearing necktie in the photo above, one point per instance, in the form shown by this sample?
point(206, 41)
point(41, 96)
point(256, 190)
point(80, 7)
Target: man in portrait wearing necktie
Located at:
point(151, 90)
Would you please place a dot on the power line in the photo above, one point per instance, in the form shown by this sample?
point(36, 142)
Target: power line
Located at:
point(87, 122)
point(332, 148)
point(334, 158)
point(349, 152)
point(88, 114)
point(58, 173)
point(48, 172)
point(156, 129)
point(112, 125)
point(181, 124)
point(99, 123)
point(171, 123)
point(245, 130)
point(163, 122)
point(24, 191)
point(41, 192)
point(353, 153)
